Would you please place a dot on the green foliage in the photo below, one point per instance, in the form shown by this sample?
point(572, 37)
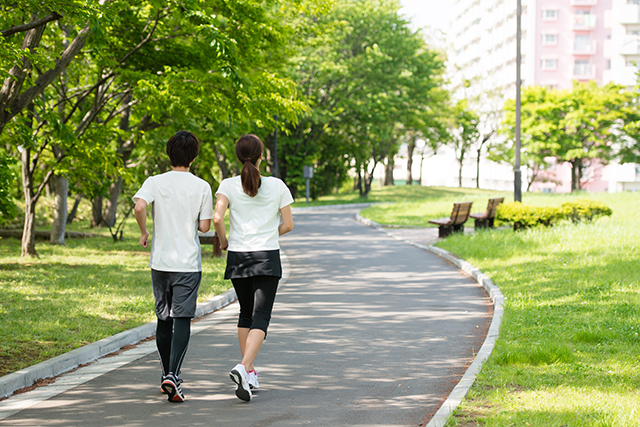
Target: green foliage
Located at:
point(577, 125)
point(370, 81)
point(524, 216)
point(7, 181)
point(584, 210)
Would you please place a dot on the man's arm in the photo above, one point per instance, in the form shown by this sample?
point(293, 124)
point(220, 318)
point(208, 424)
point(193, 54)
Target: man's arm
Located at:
point(140, 212)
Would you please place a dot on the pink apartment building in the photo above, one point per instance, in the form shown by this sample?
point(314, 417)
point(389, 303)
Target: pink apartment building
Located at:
point(572, 42)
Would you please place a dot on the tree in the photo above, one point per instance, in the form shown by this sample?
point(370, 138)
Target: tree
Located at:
point(464, 132)
point(365, 75)
point(575, 126)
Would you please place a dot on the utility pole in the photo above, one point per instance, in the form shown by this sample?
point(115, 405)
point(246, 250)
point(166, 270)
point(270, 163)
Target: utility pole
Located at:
point(517, 181)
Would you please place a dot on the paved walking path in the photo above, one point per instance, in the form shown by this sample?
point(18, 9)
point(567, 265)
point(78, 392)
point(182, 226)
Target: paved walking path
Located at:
point(366, 331)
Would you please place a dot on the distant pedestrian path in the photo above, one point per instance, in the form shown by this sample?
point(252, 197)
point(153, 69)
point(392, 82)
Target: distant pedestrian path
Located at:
point(366, 331)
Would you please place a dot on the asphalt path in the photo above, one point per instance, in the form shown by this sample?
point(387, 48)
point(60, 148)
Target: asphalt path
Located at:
point(366, 331)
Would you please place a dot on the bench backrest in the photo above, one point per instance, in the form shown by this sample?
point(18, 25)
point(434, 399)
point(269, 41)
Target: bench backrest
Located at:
point(492, 207)
point(460, 213)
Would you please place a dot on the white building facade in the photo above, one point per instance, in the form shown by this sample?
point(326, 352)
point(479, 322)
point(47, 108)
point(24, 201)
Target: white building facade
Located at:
point(562, 41)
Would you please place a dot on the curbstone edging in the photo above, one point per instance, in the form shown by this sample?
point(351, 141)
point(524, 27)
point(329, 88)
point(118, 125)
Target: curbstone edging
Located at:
point(495, 294)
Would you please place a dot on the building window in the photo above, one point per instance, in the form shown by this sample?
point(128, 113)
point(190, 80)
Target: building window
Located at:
point(633, 1)
point(582, 68)
point(549, 64)
point(552, 86)
point(582, 43)
point(631, 63)
point(608, 64)
point(550, 14)
point(549, 39)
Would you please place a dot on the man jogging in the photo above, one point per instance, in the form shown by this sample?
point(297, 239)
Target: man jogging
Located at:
point(182, 205)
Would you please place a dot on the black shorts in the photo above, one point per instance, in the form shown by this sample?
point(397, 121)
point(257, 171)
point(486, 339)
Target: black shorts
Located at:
point(176, 293)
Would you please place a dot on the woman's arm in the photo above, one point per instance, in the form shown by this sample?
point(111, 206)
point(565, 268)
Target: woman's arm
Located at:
point(287, 220)
point(218, 220)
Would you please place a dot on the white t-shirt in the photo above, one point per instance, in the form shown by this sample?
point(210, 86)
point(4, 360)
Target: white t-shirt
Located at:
point(180, 200)
point(254, 221)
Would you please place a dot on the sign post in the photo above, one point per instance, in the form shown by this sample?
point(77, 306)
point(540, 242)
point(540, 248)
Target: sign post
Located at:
point(307, 173)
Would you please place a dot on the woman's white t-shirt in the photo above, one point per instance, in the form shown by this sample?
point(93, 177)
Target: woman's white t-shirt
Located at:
point(254, 221)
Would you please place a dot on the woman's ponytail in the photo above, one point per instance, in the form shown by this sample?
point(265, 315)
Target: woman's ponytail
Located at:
point(249, 151)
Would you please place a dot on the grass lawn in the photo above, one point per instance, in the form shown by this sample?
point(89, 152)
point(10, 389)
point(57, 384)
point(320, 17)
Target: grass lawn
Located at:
point(79, 293)
point(568, 353)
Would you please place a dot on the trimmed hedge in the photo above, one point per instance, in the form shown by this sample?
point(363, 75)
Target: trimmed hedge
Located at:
point(524, 216)
point(585, 210)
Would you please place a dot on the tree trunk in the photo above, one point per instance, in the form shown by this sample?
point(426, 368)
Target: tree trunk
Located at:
point(359, 183)
point(96, 212)
point(58, 228)
point(74, 210)
point(111, 210)
point(388, 171)
point(28, 232)
point(478, 168)
point(411, 146)
point(576, 174)
point(421, 166)
point(460, 174)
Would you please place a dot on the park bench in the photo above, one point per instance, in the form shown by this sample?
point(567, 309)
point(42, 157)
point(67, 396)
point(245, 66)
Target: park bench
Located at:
point(455, 223)
point(485, 219)
point(211, 238)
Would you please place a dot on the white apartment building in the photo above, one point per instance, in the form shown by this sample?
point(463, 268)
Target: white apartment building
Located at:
point(562, 41)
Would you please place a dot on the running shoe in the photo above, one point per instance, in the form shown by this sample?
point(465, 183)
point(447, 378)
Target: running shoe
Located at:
point(162, 390)
point(171, 385)
point(164, 377)
point(253, 379)
point(240, 376)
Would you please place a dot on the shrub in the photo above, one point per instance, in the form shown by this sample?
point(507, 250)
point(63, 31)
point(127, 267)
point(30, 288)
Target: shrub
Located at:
point(523, 216)
point(584, 210)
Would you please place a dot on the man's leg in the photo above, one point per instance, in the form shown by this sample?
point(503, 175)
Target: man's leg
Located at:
point(164, 336)
point(179, 343)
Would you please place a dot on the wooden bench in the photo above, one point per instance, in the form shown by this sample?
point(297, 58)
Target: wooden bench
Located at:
point(485, 219)
point(455, 223)
point(210, 238)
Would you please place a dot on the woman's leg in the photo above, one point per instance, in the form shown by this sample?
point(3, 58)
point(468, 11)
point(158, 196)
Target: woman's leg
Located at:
point(264, 294)
point(244, 292)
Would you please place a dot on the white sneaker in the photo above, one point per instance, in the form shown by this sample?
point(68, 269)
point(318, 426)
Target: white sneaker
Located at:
point(240, 376)
point(253, 379)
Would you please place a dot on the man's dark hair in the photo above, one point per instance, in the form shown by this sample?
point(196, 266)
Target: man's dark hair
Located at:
point(183, 148)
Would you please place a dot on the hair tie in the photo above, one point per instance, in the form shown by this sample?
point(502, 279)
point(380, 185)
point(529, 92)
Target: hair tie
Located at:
point(246, 160)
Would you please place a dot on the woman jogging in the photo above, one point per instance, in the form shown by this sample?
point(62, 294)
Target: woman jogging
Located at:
point(256, 205)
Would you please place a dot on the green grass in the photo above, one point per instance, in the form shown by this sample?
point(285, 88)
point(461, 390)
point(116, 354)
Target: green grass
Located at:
point(79, 293)
point(568, 350)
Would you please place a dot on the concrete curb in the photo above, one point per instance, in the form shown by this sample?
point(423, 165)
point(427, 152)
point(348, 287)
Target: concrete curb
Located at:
point(460, 390)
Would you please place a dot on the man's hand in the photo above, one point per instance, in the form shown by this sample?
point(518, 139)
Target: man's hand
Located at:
point(144, 239)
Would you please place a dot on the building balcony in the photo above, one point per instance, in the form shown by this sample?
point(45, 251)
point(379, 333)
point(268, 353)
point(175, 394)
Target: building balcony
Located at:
point(584, 2)
point(631, 46)
point(584, 22)
point(629, 14)
point(584, 72)
point(585, 49)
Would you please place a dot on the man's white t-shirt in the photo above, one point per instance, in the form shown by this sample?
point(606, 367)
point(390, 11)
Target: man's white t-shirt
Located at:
point(254, 221)
point(180, 200)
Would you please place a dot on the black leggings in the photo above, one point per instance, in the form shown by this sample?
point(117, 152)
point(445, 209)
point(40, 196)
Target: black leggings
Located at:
point(172, 339)
point(256, 296)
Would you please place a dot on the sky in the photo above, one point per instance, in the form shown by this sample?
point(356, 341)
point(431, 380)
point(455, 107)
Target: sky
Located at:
point(432, 13)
